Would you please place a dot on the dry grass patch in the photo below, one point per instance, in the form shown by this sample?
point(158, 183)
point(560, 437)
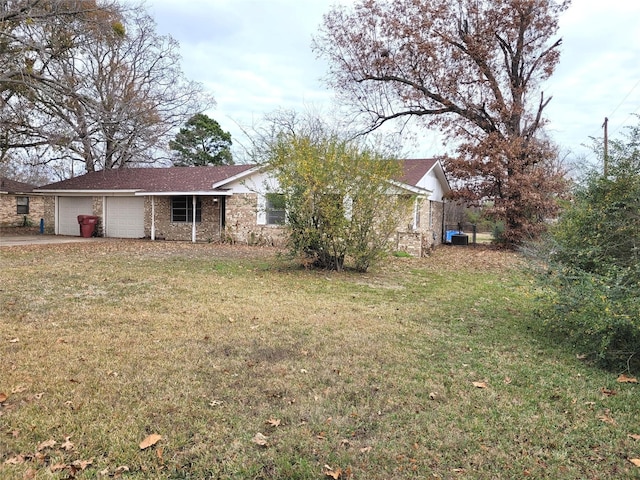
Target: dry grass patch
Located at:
point(372, 375)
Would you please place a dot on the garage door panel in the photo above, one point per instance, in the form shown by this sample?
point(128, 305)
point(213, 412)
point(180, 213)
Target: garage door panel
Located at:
point(68, 210)
point(124, 217)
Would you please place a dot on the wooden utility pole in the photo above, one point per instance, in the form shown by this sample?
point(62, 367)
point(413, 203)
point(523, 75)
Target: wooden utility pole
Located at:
point(605, 125)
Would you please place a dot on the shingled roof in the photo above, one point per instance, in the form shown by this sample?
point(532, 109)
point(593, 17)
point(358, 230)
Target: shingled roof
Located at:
point(191, 179)
point(413, 170)
point(11, 186)
point(172, 179)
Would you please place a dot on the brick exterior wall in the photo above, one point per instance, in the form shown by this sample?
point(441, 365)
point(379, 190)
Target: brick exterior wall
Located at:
point(9, 216)
point(207, 230)
point(437, 213)
point(242, 225)
point(241, 222)
point(420, 241)
point(49, 215)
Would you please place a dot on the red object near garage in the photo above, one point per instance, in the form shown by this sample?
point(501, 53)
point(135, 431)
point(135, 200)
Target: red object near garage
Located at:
point(87, 225)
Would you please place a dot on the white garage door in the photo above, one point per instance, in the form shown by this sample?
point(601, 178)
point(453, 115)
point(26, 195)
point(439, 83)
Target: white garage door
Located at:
point(68, 210)
point(124, 217)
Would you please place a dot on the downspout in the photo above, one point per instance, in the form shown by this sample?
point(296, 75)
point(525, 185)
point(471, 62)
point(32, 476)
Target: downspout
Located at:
point(219, 201)
point(153, 217)
point(443, 234)
point(56, 215)
point(193, 219)
point(104, 215)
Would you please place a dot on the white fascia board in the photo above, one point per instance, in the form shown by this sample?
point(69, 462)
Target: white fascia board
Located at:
point(439, 172)
point(20, 194)
point(87, 192)
point(246, 173)
point(411, 188)
point(203, 193)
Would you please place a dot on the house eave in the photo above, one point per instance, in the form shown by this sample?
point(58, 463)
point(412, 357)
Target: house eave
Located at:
point(201, 193)
point(86, 192)
point(411, 188)
point(243, 174)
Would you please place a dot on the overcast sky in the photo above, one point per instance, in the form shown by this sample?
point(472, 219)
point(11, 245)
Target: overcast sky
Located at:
point(255, 57)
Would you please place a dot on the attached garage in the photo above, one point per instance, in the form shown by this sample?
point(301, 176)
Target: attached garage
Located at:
point(124, 217)
point(68, 210)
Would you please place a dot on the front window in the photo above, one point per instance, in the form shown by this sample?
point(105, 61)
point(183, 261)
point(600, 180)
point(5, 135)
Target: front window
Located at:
point(182, 209)
point(22, 205)
point(275, 207)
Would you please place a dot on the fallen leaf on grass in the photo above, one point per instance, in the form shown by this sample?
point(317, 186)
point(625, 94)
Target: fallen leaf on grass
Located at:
point(365, 449)
point(46, 444)
point(15, 460)
point(480, 384)
point(635, 461)
point(67, 445)
point(260, 439)
point(82, 464)
point(3, 397)
point(330, 472)
point(608, 393)
point(274, 422)
point(14, 340)
point(121, 469)
point(624, 379)
point(634, 436)
point(150, 441)
point(606, 418)
point(18, 389)
point(57, 467)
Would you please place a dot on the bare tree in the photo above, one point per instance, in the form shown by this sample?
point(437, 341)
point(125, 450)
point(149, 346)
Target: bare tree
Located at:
point(469, 68)
point(112, 96)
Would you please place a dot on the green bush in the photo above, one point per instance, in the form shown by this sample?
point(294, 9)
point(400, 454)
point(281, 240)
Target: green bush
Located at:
point(599, 314)
point(340, 205)
point(590, 269)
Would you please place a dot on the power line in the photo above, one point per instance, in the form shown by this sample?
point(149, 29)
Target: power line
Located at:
point(625, 98)
point(619, 125)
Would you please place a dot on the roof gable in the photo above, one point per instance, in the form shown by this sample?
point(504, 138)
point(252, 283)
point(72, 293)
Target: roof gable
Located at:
point(414, 170)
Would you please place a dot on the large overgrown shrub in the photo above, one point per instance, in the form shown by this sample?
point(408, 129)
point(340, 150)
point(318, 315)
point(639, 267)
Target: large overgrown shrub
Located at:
point(340, 202)
point(591, 274)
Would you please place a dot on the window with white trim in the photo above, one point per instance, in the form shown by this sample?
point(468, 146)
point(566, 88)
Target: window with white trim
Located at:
point(275, 209)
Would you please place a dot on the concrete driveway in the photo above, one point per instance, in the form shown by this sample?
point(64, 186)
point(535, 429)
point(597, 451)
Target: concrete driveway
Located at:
point(15, 240)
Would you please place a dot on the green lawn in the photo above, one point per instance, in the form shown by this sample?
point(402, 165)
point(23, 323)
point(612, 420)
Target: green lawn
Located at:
point(249, 367)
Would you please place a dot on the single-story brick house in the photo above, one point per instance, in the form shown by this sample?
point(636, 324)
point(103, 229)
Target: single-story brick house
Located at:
point(223, 203)
point(19, 205)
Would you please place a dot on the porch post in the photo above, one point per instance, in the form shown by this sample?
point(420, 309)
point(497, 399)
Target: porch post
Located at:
point(193, 220)
point(104, 216)
point(153, 217)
